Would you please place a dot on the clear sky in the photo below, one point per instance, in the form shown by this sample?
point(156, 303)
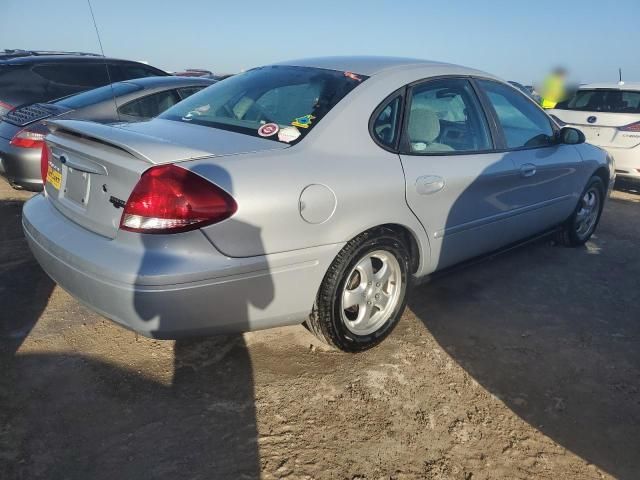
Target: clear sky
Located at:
point(517, 40)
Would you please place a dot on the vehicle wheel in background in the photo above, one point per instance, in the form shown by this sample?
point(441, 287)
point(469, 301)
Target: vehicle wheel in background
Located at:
point(578, 229)
point(364, 292)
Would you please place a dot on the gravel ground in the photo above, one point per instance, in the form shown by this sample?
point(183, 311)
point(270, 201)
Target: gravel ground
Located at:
point(526, 365)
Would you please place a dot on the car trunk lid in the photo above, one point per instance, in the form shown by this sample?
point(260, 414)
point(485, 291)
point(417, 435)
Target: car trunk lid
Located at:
point(602, 128)
point(93, 168)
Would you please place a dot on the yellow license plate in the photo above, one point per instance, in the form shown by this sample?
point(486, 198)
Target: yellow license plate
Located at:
point(54, 178)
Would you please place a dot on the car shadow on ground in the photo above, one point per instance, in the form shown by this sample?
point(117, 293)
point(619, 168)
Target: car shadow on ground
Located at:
point(559, 346)
point(77, 416)
point(24, 288)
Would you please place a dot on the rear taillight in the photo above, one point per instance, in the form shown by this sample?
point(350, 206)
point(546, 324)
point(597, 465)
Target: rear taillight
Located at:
point(558, 121)
point(30, 137)
point(169, 199)
point(632, 127)
point(44, 162)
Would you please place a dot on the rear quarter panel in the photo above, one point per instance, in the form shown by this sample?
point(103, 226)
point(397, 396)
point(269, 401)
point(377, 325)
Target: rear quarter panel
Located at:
point(367, 182)
point(367, 187)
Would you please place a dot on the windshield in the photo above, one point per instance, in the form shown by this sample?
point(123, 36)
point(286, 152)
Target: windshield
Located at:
point(277, 102)
point(97, 95)
point(603, 100)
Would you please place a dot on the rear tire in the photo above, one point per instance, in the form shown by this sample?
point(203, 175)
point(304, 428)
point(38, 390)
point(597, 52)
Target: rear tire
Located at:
point(364, 292)
point(577, 230)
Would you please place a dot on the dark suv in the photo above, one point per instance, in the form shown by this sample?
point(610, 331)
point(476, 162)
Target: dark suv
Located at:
point(28, 77)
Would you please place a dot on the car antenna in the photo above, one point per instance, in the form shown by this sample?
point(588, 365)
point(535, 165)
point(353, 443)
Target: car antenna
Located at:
point(620, 82)
point(106, 66)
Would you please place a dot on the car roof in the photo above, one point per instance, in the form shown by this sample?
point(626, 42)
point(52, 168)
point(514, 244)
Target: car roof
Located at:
point(611, 85)
point(60, 58)
point(17, 53)
point(364, 65)
point(171, 80)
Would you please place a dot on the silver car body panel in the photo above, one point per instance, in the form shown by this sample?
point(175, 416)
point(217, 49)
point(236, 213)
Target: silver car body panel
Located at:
point(174, 285)
point(297, 207)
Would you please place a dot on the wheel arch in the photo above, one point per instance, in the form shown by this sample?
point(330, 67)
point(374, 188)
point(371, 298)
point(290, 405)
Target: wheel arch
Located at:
point(603, 173)
point(410, 241)
point(418, 253)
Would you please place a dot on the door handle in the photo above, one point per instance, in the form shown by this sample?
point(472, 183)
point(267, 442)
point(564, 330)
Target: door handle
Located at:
point(528, 170)
point(429, 184)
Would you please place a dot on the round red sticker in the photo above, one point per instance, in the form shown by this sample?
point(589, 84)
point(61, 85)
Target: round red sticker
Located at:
point(268, 129)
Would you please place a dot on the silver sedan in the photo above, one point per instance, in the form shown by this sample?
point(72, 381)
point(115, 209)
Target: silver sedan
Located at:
point(311, 191)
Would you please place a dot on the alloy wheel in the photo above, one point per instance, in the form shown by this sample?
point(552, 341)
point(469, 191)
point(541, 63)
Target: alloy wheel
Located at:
point(371, 292)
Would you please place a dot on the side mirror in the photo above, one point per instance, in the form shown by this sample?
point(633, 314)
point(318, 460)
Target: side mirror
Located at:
point(571, 136)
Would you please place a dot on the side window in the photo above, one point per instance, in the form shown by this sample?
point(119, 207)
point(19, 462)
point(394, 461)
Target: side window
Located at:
point(188, 91)
point(445, 116)
point(137, 71)
point(74, 74)
point(385, 126)
point(523, 123)
point(151, 105)
point(125, 71)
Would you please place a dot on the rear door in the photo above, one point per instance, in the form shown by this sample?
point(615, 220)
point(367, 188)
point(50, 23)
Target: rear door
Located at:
point(550, 173)
point(456, 183)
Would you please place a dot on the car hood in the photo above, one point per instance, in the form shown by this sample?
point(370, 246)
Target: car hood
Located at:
point(160, 141)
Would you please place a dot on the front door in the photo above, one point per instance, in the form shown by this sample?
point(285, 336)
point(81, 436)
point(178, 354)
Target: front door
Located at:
point(549, 171)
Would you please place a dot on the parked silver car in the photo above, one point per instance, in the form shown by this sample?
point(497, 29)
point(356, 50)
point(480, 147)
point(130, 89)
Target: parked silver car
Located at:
point(314, 190)
point(22, 130)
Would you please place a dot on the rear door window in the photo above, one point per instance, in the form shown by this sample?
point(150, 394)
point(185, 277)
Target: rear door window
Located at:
point(446, 117)
point(151, 105)
point(523, 123)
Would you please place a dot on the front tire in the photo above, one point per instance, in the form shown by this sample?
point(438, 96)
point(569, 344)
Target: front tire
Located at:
point(578, 229)
point(364, 292)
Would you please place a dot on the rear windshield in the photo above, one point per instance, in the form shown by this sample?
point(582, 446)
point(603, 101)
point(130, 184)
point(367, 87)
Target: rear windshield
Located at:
point(277, 102)
point(97, 95)
point(603, 100)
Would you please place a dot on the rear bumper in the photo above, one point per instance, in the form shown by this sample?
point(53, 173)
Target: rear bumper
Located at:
point(20, 166)
point(175, 285)
point(627, 161)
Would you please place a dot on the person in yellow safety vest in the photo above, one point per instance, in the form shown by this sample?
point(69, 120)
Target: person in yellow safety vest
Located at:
point(553, 88)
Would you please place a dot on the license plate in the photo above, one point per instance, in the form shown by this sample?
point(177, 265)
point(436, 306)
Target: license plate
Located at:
point(76, 186)
point(54, 178)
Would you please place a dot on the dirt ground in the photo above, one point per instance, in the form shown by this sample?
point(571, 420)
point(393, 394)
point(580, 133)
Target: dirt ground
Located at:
point(523, 366)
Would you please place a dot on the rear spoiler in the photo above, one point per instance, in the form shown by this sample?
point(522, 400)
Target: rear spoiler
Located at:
point(147, 148)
